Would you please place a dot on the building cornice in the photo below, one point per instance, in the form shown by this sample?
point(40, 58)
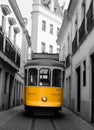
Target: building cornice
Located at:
point(52, 18)
point(72, 6)
point(39, 8)
point(67, 17)
point(18, 14)
point(16, 30)
point(12, 21)
point(5, 9)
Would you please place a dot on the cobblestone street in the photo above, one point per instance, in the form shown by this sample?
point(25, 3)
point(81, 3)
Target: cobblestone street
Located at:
point(18, 119)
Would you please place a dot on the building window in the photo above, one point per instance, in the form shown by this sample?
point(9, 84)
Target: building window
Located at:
point(84, 73)
point(58, 50)
point(43, 25)
point(42, 47)
point(55, 9)
point(68, 43)
point(64, 53)
point(6, 82)
point(90, 17)
point(3, 23)
point(51, 49)
point(83, 9)
point(58, 31)
point(51, 29)
point(76, 24)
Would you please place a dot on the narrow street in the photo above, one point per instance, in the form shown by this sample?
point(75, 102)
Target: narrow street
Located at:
point(18, 119)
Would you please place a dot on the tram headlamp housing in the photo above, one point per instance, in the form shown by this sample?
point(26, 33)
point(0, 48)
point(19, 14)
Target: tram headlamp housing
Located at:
point(44, 99)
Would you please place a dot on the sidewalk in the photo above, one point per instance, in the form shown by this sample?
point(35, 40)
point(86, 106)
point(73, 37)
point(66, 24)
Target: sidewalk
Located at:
point(74, 122)
point(8, 114)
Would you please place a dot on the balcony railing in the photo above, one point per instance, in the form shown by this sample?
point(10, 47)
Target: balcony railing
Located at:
point(10, 50)
point(68, 61)
point(82, 31)
point(18, 60)
point(90, 21)
point(74, 44)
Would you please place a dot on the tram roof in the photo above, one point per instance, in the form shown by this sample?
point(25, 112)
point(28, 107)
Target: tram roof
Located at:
point(45, 56)
point(44, 62)
point(45, 59)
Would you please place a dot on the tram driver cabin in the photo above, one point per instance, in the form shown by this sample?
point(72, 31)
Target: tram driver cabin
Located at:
point(44, 82)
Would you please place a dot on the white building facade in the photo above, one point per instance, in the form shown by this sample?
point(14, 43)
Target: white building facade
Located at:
point(46, 22)
point(77, 50)
point(12, 58)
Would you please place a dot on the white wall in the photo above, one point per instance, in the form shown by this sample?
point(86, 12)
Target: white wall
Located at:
point(42, 13)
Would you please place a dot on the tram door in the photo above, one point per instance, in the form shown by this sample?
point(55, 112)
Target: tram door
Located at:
point(92, 72)
point(78, 88)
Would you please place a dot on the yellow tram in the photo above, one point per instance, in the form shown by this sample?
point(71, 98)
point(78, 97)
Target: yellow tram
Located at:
point(44, 82)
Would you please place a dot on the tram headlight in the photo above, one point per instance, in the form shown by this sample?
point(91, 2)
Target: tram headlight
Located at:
point(44, 99)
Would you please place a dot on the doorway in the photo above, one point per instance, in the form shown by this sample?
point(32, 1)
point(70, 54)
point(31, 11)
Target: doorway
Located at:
point(92, 89)
point(10, 90)
point(78, 71)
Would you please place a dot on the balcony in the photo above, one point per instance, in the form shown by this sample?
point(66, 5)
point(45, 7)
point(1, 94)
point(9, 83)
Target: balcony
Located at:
point(82, 32)
point(74, 44)
point(18, 60)
point(90, 20)
point(68, 60)
point(9, 51)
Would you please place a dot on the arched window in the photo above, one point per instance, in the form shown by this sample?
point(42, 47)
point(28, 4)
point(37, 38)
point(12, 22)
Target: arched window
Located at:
point(32, 77)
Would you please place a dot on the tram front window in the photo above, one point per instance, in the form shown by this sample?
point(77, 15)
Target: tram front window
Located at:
point(44, 77)
point(32, 77)
point(56, 78)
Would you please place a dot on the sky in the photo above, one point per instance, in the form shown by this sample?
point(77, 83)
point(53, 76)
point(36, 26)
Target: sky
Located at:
point(26, 5)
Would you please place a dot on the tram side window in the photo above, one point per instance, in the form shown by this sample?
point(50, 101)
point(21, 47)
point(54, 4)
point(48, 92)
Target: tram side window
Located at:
point(32, 77)
point(44, 77)
point(56, 78)
point(25, 80)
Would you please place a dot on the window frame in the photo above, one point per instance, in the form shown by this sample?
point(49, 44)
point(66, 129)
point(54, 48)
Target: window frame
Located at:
point(50, 49)
point(51, 28)
point(54, 79)
point(45, 74)
point(43, 25)
point(43, 47)
point(34, 78)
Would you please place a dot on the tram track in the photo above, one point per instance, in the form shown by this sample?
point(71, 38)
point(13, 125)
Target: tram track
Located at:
point(40, 125)
point(53, 124)
point(33, 123)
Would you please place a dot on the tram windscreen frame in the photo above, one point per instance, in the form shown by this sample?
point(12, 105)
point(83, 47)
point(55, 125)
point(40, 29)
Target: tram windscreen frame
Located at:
point(44, 77)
